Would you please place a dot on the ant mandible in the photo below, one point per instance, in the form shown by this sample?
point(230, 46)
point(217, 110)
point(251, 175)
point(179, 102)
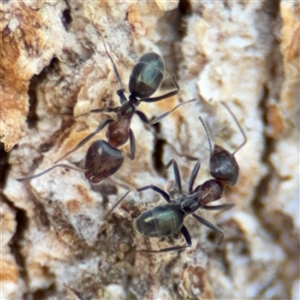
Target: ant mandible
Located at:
point(103, 159)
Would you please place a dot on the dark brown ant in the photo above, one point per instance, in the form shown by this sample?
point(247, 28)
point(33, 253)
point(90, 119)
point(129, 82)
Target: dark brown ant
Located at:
point(162, 221)
point(103, 159)
point(165, 220)
point(222, 164)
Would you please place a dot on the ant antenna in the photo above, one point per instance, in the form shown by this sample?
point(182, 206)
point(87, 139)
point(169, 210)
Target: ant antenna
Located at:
point(239, 126)
point(113, 63)
point(207, 134)
point(116, 204)
point(111, 181)
point(49, 169)
point(159, 118)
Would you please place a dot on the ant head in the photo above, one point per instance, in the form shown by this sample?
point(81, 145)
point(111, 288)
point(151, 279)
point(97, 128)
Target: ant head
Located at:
point(211, 190)
point(146, 76)
point(223, 166)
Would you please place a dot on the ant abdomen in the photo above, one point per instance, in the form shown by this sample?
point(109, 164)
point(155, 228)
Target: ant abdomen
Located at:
point(146, 76)
point(223, 166)
point(101, 161)
point(160, 221)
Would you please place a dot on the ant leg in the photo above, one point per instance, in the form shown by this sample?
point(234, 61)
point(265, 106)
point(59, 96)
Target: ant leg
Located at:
point(142, 116)
point(219, 207)
point(132, 145)
point(176, 248)
point(193, 176)
point(211, 226)
point(156, 189)
point(49, 169)
point(176, 173)
point(116, 204)
point(159, 118)
point(165, 96)
point(187, 238)
point(112, 182)
point(186, 235)
point(108, 109)
point(98, 110)
point(86, 139)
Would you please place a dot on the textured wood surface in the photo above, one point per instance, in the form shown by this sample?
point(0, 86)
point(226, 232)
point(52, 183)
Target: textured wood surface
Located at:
point(55, 243)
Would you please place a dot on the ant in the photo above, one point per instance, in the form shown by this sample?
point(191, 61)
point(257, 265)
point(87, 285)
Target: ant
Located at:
point(162, 221)
point(165, 220)
point(103, 159)
point(223, 166)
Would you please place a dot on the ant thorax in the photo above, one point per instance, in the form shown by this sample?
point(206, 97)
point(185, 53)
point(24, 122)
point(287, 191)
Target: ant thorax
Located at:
point(173, 191)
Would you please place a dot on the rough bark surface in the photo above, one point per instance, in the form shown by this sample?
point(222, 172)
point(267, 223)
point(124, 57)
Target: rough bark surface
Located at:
point(55, 241)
